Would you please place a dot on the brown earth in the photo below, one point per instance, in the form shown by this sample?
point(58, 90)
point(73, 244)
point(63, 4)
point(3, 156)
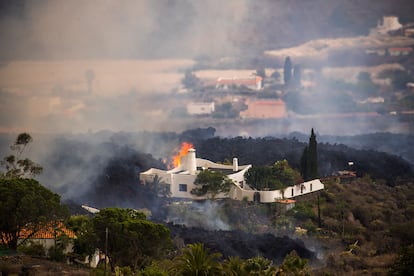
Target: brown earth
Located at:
point(25, 265)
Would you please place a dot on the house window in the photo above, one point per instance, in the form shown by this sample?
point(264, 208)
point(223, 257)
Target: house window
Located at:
point(301, 189)
point(182, 187)
point(292, 191)
point(311, 187)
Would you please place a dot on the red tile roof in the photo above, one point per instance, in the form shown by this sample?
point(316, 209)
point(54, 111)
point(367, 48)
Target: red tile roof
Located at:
point(50, 231)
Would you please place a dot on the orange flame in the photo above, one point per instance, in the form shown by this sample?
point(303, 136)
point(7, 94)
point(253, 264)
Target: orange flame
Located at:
point(185, 146)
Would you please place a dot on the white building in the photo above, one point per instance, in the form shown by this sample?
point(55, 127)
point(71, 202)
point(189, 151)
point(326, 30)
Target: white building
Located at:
point(181, 181)
point(200, 108)
point(388, 24)
point(253, 82)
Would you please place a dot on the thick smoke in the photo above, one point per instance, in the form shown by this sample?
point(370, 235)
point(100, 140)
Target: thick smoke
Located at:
point(119, 29)
point(205, 214)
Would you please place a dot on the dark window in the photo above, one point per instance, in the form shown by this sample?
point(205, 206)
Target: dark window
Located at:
point(182, 187)
point(301, 189)
point(311, 187)
point(292, 191)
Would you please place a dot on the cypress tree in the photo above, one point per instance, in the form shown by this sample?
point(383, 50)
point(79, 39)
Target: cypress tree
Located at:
point(312, 162)
point(309, 159)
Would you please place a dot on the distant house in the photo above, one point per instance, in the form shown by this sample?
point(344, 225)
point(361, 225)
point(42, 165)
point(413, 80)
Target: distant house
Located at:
point(386, 25)
point(254, 82)
point(265, 109)
point(200, 108)
point(400, 51)
point(48, 235)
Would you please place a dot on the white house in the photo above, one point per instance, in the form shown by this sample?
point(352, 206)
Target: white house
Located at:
point(181, 181)
point(253, 82)
point(200, 108)
point(387, 24)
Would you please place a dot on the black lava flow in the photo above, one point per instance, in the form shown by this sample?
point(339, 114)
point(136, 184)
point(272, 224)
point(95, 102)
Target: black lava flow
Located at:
point(242, 244)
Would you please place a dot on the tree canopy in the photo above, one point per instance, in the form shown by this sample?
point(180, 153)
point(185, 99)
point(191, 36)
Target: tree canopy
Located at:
point(26, 204)
point(196, 260)
point(211, 183)
point(278, 176)
point(14, 165)
point(132, 240)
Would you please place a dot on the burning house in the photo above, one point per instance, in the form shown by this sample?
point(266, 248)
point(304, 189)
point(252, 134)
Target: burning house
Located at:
point(180, 180)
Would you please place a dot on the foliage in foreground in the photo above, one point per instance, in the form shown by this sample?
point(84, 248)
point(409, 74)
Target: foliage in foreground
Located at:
point(26, 204)
point(130, 239)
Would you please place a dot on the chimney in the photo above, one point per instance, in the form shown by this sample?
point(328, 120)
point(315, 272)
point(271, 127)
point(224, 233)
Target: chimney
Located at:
point(190, 162)
point(235, 164)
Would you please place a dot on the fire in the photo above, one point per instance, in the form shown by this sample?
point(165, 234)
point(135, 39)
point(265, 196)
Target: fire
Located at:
point(185, 146)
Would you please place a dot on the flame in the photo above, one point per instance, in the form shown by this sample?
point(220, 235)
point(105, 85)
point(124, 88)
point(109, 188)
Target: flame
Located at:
point(185, 146)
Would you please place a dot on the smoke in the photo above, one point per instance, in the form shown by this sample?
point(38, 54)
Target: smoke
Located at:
point(119, 29)
point(202, 214)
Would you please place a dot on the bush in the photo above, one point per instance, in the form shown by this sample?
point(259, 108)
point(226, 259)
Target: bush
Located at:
point(33, 249)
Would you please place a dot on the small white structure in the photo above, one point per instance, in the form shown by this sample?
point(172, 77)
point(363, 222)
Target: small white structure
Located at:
point(200, 108)
point(181, 181)
point(254, 82)
point(388, 24)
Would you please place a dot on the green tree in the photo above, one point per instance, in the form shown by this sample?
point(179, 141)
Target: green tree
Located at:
point(26, 204)
point(309, 159)
point(275, 75)
point(211, 183)
point(196, 260)
point(14, 165)
point(234, 266)
point(275, 177)
point(284, 175)
point(84, 244)
point(132, 239)
point(190, 81)
point(260, 266)
point(293, 265)
point(259, 177)
point(287, 71)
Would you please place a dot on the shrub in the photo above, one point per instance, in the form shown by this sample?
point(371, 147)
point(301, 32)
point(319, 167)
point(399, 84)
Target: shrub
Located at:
point(33, 249)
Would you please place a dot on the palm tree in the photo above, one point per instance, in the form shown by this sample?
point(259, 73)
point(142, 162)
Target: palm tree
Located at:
point(260, 266)
point(294, 265)
point(234, 266)
point(196, 261)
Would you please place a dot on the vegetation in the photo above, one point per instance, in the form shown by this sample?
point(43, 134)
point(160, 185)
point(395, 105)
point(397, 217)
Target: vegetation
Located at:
point(196, 260)
point(278, 176)
point(26, 204)
point(211, 183)
point(128, 238)
point(309, 159)
point(14, 165)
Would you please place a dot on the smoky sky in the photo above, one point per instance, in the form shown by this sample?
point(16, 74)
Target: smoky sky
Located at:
point(99, 65)
point(118, 29)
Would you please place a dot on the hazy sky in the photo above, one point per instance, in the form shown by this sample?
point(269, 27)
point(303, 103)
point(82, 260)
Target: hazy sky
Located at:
point(47, 48)
point(89, 65)
point(124, 29)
